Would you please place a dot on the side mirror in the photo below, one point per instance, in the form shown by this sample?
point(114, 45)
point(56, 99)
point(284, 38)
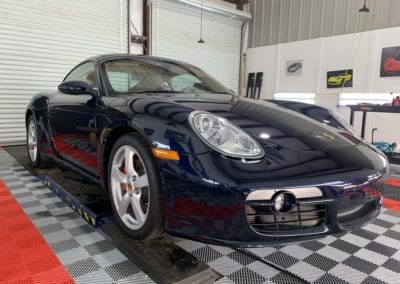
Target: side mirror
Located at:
point(77, 88)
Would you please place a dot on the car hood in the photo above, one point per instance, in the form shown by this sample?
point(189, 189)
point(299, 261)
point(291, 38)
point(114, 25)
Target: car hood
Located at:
point(280, 123)
point(299, 139)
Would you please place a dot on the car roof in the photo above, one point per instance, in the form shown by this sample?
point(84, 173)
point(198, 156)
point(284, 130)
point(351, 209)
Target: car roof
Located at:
point(112, 56)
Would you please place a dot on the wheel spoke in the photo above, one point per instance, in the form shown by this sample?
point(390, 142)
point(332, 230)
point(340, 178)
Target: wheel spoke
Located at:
point(137, 208)
point(141, 181)
point(130, 170)
point(123, 205)
point(118, 175)
point(32, 130)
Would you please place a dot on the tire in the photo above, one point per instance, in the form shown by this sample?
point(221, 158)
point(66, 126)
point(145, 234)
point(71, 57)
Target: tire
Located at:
point(32, 145)
point(136, 201)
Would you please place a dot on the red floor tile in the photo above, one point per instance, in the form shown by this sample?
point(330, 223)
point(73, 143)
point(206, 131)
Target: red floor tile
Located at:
point(25, 257)
point(391, 204)
point(393, 181)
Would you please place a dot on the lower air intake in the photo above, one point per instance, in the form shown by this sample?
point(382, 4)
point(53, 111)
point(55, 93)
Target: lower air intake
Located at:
point(263, 220)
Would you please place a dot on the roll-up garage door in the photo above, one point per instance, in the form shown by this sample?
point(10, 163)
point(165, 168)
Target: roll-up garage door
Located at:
point(175, 31)
point(40, 41)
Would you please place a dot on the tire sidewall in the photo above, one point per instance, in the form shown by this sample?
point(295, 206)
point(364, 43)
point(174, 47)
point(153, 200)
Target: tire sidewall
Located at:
point(151, 224)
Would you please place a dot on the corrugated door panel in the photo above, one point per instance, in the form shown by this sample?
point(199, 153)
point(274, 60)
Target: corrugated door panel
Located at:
point(176, 30)
point(40, 41)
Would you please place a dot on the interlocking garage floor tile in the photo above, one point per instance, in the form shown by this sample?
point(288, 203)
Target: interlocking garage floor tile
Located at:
point(85, 253)
point(367, 255)
point(25, 256)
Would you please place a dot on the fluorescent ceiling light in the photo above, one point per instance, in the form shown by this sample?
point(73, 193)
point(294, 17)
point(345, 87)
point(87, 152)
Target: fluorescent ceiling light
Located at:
point(372, 98)
point(308, 98)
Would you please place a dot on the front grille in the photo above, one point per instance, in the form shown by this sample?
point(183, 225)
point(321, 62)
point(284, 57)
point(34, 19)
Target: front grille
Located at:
point(304, 216)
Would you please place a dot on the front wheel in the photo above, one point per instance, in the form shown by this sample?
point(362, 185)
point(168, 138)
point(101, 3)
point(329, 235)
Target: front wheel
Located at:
point(134, 186)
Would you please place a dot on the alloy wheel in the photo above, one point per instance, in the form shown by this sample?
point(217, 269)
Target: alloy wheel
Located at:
point(130, 187)
point(32, 141)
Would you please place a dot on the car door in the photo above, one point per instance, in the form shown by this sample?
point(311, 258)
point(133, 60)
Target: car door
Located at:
point(73, 123)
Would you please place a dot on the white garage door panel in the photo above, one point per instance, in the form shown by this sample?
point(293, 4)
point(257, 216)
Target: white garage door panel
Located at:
point(40, 41)
point(176, 30)
point(12, 108)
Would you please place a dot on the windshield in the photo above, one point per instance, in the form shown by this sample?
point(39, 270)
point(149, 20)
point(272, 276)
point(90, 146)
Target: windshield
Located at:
point(146, 75)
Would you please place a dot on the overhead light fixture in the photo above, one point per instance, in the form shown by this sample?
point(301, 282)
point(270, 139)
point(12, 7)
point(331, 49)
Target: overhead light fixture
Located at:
point(201, 23)
point(346, 99)
point(364, 9)
point(308, 98)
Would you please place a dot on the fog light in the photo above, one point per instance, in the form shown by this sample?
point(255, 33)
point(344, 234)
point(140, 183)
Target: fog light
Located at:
point(283, 202)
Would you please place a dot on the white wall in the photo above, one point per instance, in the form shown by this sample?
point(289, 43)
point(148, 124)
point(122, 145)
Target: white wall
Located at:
point(309, 53)
point(360, 52)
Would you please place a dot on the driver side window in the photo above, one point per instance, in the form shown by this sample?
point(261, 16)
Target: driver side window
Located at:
point(84, 72)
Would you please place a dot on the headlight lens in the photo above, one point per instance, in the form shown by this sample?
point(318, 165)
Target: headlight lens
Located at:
point(224, 137)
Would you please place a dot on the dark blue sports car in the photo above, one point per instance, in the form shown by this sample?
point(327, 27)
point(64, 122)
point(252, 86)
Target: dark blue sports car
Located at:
point(179, 152)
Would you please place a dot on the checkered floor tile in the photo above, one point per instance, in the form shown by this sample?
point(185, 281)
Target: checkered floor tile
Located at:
point(236, 266)
point(367, 255)
point(86, 254)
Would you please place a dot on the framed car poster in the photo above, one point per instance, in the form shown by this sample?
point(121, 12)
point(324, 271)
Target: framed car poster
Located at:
point(294, 67)
point(339, 79)
point(390, 61)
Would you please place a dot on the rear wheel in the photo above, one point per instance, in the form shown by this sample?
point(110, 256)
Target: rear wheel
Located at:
point(134, 185)
point(32, 147)
point(32, 142)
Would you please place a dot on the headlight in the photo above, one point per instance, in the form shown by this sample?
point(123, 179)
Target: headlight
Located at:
point(224, 137)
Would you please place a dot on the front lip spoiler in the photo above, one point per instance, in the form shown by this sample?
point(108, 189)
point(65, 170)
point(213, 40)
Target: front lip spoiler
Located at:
point(273, 240)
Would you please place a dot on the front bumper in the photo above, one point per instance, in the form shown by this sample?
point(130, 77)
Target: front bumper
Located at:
point(318, 210)
point(205, 210)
